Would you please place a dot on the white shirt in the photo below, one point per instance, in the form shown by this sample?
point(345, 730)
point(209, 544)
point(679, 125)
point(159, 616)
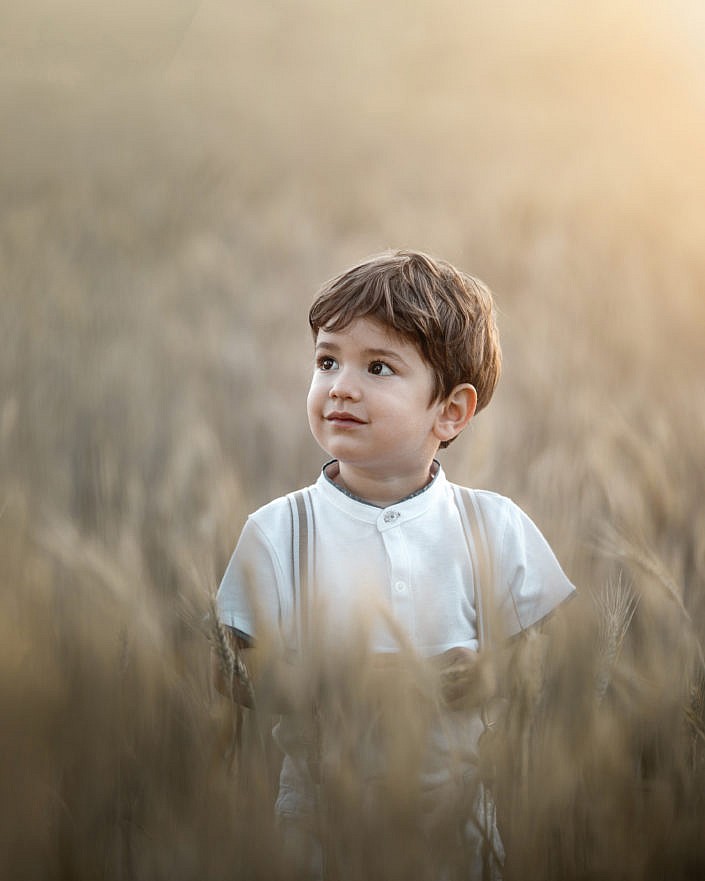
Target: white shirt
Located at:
point(409, 560)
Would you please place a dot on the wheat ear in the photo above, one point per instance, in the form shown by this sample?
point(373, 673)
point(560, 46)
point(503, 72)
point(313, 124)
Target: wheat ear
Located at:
point(616, 605)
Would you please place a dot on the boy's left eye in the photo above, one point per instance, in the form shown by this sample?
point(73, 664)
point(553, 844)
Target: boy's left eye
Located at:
point(379, 368)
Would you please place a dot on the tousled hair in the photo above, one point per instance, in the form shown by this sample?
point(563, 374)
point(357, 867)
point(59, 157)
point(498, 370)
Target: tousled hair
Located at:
point(448, 315)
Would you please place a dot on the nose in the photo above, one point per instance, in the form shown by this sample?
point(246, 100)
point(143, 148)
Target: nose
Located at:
point(344, 386)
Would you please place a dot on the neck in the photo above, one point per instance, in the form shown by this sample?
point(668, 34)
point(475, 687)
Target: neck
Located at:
point(380, 490)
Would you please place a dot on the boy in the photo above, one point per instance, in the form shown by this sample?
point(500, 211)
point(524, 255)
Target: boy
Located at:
point(406, 352)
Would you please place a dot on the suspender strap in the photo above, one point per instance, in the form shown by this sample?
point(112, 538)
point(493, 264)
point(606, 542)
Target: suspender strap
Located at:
point(302, 549)
point(476, 537)
point(302, 536)
point(475, 531)
point(472, 518)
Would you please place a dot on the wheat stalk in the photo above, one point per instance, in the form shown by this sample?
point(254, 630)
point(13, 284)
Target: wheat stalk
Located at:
point(237, 677)
point(232, 664)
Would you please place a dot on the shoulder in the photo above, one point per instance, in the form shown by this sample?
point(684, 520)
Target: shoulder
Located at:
point(505, 523)
point(482, 496)
point(529, 580)
point(271, 511)
point(275, 517)
point(266, 536)
point(494, 508)
point(489, 501)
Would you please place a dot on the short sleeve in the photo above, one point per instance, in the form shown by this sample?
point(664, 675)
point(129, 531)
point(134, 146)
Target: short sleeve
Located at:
point(531, 576)
point(249, 596)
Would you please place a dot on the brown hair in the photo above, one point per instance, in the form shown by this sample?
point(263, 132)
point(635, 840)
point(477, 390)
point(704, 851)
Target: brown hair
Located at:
point(448, 315)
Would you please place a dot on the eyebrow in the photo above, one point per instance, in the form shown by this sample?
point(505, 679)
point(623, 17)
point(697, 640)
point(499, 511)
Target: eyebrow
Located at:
point(368, 353)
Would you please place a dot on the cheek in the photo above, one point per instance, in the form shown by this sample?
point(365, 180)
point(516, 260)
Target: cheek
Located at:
point(313, 400)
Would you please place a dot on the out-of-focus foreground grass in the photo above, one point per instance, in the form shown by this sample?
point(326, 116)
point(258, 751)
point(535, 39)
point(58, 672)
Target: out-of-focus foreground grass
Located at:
point(174, 187)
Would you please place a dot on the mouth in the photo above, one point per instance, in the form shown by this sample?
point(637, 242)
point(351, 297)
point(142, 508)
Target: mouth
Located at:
point(342, 417)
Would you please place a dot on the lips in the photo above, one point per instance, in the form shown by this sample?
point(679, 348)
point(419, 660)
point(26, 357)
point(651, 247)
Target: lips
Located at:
point(342, 417)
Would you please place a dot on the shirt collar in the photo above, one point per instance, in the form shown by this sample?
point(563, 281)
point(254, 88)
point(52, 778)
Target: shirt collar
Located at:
point(410, 506)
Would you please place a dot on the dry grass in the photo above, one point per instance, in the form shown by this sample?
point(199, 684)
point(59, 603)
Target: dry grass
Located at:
point(173, 192)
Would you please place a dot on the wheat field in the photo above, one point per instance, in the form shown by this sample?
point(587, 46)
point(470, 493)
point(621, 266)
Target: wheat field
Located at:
point(176, 181)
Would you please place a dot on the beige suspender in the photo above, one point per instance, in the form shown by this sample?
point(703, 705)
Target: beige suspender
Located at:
point(302, 548)
point(302, 539)
point(480, 559)
point(302, 555)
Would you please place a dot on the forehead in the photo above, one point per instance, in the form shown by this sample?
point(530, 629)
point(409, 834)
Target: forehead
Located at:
point(368, 334)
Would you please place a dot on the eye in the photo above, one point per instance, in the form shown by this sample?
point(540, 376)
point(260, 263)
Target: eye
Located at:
point(379, 368)
point(325, 362)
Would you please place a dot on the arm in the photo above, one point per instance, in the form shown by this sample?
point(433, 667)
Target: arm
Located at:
point(468, 678)
point(231, 663)
point(241, 673)
point(460, 677)
point(243, 668)
point(532, 586)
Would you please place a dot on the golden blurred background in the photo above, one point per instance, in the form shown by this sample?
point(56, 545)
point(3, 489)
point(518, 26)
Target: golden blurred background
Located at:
point(176, 180)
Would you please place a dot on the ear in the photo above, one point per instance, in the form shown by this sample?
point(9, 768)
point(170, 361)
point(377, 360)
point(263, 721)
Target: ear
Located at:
point(455, 412)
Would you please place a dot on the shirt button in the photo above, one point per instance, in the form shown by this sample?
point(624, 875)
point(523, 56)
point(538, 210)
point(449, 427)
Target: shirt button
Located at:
point(400, 587)
point(391, 516)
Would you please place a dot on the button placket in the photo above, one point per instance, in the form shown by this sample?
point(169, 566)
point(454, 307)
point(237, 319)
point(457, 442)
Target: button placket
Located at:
point(399, 574)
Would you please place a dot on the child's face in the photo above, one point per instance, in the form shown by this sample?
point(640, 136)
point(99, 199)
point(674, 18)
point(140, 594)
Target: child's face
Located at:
point(369, 405)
